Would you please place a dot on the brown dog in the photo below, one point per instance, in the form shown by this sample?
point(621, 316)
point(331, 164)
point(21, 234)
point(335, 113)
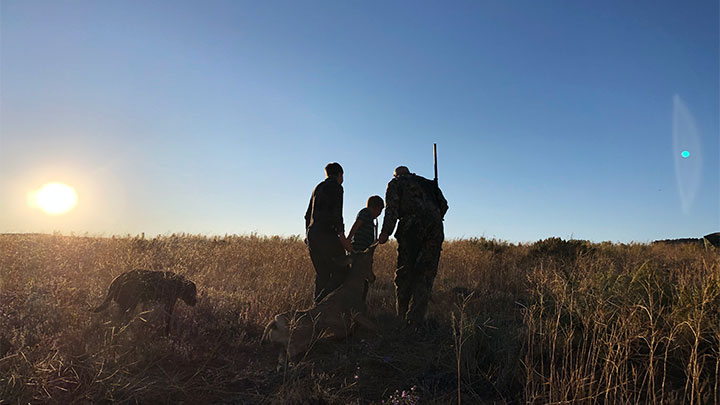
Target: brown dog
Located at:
point(335, 316)
point(135, 286)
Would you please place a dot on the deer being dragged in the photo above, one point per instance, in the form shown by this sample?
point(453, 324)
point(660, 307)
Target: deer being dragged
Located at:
point(335, 316)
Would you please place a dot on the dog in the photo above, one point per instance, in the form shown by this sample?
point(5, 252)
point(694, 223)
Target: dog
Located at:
point(135, 286)
point(335, 316)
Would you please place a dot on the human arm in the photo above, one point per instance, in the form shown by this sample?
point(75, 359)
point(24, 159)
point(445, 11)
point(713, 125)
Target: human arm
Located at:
point(383, 238)
point(308, 213)
point(392, 209)
point(357, 224)
point(442, 202)
point(345, 242)
point(335, 198)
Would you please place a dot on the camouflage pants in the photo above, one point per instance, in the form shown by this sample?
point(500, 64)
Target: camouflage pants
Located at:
point(419, 246)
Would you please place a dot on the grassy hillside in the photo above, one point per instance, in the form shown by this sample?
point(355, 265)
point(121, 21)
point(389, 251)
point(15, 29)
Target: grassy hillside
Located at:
point(554, 321)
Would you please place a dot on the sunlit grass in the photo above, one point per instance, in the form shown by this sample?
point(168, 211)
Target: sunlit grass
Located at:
point(551, 322)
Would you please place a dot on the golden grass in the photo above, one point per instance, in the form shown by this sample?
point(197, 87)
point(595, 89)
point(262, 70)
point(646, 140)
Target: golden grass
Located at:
point(551, 322)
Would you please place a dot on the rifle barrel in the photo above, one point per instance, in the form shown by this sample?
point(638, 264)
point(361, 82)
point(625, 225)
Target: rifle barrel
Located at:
point(435, 160)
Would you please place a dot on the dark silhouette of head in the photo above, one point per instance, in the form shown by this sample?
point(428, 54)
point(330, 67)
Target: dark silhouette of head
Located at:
point(333, 169)
point(375, 202)
point(401, 170)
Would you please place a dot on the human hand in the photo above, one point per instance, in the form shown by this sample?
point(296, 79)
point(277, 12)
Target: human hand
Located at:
point(383, 238)
point(346, 243)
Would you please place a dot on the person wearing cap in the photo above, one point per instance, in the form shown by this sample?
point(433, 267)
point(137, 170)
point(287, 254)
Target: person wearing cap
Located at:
point(420, 207)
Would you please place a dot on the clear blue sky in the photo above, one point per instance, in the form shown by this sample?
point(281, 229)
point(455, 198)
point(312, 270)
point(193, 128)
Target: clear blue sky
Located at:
point(552, 118)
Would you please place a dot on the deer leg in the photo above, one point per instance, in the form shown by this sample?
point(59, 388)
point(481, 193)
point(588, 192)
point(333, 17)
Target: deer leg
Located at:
point(282, 363)
point(168, 315)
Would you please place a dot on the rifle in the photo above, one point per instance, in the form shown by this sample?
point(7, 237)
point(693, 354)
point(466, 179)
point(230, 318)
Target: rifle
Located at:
point(439, 199)
point(435, 161)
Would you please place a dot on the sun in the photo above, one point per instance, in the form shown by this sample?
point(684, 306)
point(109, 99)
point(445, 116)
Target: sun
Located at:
point(55, 198)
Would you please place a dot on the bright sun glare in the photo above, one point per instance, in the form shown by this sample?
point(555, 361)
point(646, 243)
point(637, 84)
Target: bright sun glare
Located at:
point(55, 198)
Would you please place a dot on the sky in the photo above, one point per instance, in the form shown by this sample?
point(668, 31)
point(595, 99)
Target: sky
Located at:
point(552, 119)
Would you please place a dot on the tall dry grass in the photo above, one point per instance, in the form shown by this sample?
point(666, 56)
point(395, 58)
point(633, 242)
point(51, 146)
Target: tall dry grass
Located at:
point(551, 322)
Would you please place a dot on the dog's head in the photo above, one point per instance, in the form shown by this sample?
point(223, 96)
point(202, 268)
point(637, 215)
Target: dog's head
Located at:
point(189, 293)
point(277, 330)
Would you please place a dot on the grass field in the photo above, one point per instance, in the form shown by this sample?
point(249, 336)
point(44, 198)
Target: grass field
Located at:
point(550, 322)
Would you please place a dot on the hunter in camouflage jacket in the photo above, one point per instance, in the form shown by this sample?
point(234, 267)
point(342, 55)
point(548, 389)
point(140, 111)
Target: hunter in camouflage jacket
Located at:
point(420, 207)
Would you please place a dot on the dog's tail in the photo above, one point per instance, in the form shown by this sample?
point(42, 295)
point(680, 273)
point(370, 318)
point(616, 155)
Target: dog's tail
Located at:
point(115, 285)
point(111, 293)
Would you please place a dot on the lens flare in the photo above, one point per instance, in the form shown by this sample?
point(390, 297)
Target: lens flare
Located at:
point(686, 138)
point(55, 198)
